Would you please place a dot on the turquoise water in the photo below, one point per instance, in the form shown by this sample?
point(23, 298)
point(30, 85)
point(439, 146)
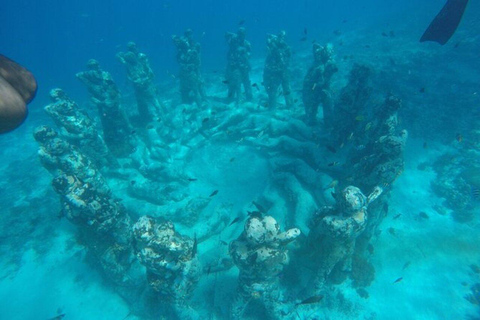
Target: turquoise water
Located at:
point(265, 223)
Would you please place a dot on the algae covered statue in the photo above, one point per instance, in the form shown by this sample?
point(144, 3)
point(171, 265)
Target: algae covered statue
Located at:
point(316, 85)
point(141, 76)
point(189, 60)
point(334, 230)
point(106, 97)
point(276, 71)
point(172, 265)
point(238, 65)
point(261, 254)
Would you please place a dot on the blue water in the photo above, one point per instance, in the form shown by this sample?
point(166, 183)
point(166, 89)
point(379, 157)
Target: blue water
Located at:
point(45, 270)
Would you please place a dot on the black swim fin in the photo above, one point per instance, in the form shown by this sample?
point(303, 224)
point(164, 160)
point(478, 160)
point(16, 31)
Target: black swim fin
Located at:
point(446, 22)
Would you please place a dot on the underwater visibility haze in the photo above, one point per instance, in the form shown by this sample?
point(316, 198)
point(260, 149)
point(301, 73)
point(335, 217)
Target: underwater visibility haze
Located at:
point(240, 159)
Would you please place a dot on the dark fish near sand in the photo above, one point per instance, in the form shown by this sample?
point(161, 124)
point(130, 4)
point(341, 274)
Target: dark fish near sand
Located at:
point(259, 207)
point(60, 316)
point(476, 193)
point(195, 245)
point(255, 85)
point(398, 280)
point(235, 221)
point(405, 266)
point(313, 299)
point(213, 193)
point(305, 31)
point(397, 216)
point(385, 208)
point(192, 179)
point(331, 149)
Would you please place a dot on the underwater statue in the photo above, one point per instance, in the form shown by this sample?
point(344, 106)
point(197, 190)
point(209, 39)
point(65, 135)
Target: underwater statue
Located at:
point(316, 85)
point(351, 108)
point(77, 127)
point(141, 76)
point(261, 254)
point(238, 65)
point(334, 230)
point(60, 157)
point(103, 224)
point(189, 60)
point(276, 73)
point(106, 97)
point(172, 264)
point(17, 88)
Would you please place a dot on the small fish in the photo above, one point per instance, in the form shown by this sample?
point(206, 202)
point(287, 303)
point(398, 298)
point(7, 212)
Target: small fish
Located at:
point(314, 86)
point(60, 316)
point(223, 242)
point(459, 137)
point(331, 149)
point(405, 266)
point(423, 215)
point(209, 268)
point(305, 31)
point(350, 136)
point(360, 147)
point(331, 185)
point(385, 208)
point(476, 193)
point(384, 34)
point(150, 126)
point(398, 280)
point(422, 90)
point(192, 179)
point(213, 193)
point(133, 131)
point(133, 182)
point(225, 81)
point(232, 159)
point(255, 85)
point(359, 118)
point(370, 248)
point(333, 164)
point(205, 120)
point(425, 145)
point(241, 22)
point(235, 221)
point(195, 245)
point(368, 126)
point(259, 207)
point(313, 299)
point(397, 216)
point(303, 39)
